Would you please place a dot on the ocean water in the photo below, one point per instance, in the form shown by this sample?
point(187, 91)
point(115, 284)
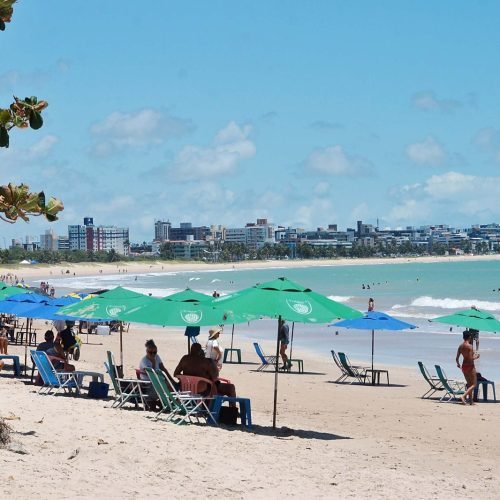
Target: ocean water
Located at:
point(415, 292)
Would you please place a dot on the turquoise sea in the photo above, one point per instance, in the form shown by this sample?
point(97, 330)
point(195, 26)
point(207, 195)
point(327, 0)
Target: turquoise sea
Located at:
point(415, 292)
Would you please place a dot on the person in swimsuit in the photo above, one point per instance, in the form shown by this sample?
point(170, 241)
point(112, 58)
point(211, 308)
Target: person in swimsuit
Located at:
point(468, 369)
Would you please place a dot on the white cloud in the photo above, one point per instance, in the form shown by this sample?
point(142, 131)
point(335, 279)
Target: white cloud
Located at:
point(132, 130)
point(322, 188)
point(319, 209)
point(335, 161)
point(429, 152)
point(446, 196)
point(488, 140)
point(231, 145)
point(39, 150)
point(428, 101)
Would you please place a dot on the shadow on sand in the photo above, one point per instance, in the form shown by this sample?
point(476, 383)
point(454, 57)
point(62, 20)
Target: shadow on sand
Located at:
point(359, 384)
point(286, 432)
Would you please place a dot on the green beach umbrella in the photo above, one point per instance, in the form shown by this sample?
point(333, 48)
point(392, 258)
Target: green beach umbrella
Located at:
point(182, 309)
point(8, 291)
point(189, 295)
point(472, 318)
point(108, 306)
point(285, 300)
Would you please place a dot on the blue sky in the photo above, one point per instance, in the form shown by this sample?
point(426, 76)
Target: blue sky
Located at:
point(221, 112)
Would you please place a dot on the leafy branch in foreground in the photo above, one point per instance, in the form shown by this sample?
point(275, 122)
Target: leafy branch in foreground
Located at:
point(16, 202)
point(21, 114)
point(6, 11)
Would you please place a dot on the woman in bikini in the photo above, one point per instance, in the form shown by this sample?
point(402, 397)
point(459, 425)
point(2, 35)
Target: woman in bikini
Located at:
point(468, 369)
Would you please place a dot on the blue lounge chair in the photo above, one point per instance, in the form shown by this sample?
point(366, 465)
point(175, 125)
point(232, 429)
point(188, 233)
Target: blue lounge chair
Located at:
point(453, 388)
point(267, 361)
point(434, 382)
point(51, 378)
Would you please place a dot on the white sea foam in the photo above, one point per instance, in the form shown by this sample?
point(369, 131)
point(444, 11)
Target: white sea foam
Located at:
point(451, 303)
point(340, 298)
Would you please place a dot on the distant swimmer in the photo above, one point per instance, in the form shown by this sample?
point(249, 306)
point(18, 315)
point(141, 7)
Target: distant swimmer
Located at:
point(363, 286)
point(135, 278)
point(368, 287)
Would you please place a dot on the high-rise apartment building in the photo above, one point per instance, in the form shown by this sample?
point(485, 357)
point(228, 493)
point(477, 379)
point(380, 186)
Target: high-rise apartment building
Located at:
point(98, 238)
point(48, 240)
point(162, 230)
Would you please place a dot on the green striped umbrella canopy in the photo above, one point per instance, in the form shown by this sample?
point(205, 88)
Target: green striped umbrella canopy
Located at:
point(186, 308)
point(285, 300)
point(108, 306)
point(9, 291)
point(472, 318)
point(189, 295)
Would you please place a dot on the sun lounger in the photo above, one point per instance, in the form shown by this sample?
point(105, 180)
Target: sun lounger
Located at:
point(180, 407)
point(51, 378)
point(343, 373)
point(267, 361)
point(453, 388)
point(434, 382)
point(357, 373)
point(126, 390)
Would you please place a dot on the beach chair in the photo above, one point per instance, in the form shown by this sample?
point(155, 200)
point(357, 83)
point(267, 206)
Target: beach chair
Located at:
point(190, 383)
point(124, 388)
point(267, 361)
point(434, 382)
point(181, 407)
point(453, 388)
point(353, 372)
point(51, 378)
point(343, 373)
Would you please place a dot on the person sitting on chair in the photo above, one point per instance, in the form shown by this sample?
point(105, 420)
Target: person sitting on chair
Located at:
point(65, 343)
point(196, 364)
point(153, 360)
point(49, 347)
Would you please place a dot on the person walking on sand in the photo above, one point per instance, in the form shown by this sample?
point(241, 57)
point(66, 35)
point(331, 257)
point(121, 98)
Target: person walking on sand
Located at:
point(284, 339)
point(468, 369)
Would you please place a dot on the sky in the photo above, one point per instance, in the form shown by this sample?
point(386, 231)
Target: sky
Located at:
point(222, 112)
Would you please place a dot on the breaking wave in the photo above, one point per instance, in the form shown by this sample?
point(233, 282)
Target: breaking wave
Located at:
point(450, 303)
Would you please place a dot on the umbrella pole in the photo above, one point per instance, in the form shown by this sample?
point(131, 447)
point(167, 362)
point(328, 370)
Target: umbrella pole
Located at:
point(373, 346)
point(291, 343)
point(231, 351)
point(121, 343)
point(276, 373)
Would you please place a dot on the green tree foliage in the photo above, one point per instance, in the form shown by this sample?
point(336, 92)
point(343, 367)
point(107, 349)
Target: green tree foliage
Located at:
point(16, 201)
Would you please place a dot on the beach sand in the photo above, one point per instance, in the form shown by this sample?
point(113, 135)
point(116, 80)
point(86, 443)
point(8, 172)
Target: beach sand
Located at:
point(48, 272)
point(332, 441)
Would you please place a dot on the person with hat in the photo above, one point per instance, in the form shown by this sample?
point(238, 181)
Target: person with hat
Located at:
point(213, 349)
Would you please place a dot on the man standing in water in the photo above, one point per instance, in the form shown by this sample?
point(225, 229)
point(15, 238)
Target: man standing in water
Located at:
point(468, 369)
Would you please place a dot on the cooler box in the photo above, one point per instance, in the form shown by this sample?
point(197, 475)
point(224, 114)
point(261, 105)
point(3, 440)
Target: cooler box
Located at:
point(98, 390)
point(103, 330)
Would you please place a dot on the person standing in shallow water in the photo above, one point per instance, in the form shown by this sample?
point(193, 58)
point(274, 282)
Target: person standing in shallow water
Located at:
point(371, 305)
point(468, 369)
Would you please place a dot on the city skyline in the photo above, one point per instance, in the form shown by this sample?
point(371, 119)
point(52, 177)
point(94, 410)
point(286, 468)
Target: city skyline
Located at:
point(220, 113)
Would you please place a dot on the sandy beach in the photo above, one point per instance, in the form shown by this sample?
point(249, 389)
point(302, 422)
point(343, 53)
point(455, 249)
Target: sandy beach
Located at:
point(333, 440)
point(45, 271)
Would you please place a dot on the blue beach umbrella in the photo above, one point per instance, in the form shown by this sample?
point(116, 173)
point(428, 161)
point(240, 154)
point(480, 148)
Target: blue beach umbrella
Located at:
point(22, 303)
point(374, 320)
